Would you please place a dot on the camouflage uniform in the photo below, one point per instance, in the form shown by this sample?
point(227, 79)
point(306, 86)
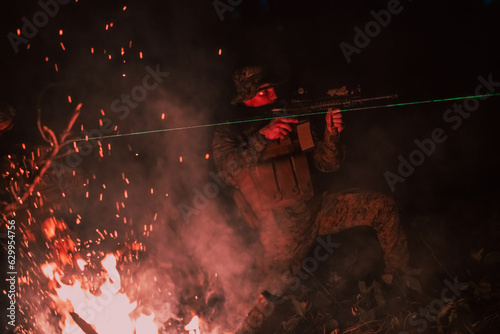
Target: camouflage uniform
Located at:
point(275, 195)
point(289, 227)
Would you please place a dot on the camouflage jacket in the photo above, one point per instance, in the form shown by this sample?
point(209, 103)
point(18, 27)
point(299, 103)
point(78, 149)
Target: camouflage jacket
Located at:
point(238, 153)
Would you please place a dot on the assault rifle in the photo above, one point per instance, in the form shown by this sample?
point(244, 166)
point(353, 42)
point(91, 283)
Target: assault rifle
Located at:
point(299, 107)
point(302, 130)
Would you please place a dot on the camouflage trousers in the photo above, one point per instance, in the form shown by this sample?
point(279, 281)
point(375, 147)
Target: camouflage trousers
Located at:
point(287, 235)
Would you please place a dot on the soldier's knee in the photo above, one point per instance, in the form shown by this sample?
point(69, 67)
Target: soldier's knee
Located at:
point(385, 202)
point(386, 211)
point(391, 203)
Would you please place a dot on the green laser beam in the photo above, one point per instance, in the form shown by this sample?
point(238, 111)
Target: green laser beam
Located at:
point(190, 127)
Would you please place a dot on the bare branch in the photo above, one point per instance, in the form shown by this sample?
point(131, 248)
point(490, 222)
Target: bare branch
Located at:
point(47, 163)
point(41, 129)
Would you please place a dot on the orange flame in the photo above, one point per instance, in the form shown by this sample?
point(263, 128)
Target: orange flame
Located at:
point(108, 313)
point(48, 270)
point(145, 325)
point(194, 326)
point(81, 264)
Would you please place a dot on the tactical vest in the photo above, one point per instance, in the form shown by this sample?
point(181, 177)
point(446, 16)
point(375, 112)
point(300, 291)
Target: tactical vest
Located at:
point(281, 176)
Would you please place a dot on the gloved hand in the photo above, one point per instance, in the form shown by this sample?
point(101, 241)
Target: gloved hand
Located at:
point(278, 128)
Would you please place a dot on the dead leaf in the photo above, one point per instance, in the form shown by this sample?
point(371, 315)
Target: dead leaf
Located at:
point(290, 324)
point(362, 286)
point(379, 297)
point(478, 255)
point(299, 307)
point(413, 283)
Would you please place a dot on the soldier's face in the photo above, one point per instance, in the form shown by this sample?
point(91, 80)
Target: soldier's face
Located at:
point(265, 95)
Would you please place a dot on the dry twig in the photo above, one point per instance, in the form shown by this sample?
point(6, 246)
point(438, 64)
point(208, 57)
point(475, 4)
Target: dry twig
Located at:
point(55, 143)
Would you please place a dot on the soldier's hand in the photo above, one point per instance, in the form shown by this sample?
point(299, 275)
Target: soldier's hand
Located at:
point(334, 120)
point(278, 128)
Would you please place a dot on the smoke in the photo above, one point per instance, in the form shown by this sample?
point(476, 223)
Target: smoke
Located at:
point(124, 190)
point(127, 190)
point(210, 237)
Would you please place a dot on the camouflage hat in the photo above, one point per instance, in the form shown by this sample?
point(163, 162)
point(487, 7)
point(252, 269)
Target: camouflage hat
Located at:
point(247, 81)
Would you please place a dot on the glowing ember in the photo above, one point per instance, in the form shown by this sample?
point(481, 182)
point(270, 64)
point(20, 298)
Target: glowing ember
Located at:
point(48, 270)
point(81, 264)
point(194, 326)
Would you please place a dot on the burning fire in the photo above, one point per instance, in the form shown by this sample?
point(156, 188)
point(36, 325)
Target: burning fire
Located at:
point(194, 326)
point(108, 313)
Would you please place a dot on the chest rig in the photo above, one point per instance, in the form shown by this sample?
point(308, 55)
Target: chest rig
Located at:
point(282, 175)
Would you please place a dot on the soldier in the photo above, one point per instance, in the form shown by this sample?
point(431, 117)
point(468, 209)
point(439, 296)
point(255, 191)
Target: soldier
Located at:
point(267, 165)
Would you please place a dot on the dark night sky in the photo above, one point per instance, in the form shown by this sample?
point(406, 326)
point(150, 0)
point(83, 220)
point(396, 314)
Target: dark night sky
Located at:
point(431, 49)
